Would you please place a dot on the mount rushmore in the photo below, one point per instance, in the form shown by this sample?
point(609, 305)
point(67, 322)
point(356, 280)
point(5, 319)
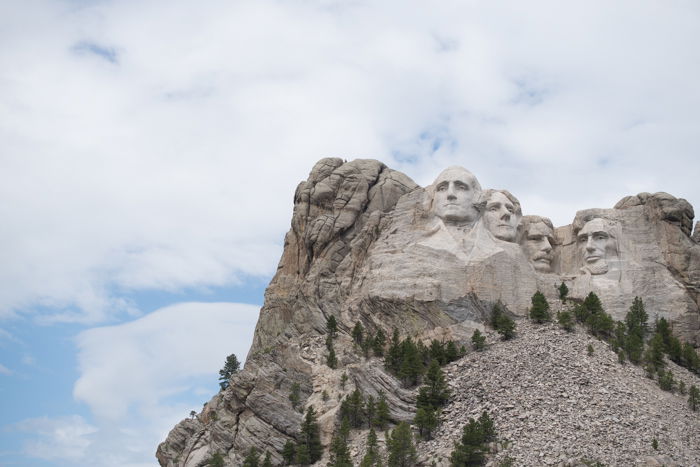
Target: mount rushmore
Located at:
point(369, 245)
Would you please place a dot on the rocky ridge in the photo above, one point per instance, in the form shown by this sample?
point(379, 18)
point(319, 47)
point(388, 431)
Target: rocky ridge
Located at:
point(367, 244)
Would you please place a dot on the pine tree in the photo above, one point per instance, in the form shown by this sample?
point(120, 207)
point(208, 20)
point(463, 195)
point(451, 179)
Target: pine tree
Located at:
point(634, 346)
point(230, 368)
point(620, 338)
point(294, 395)
point(690, 357)
point(392, 360)
point(663, 329)
point(352, 407)
point(591, 306)
point(666, 381)
point(636, 319)
point(252, 459)
point(332, 360)
point(289, 452)
point(372, 457)
point(332, 326)
point(302, 456)
point(470, 450)
point(343, 381)
point(402, 452)
point(383, 416)
point(357, 333)
point(565, 320)
point(379, 343)
point(370, 411)
point(426, 421)
point(411, 363)
point(310, 438)
point(267, 462)
point(675, 350)
point(437, 351)
point(434, 394)
point(592, 303)
point(539, 312)
point(502, 323)
point(655, 353)
point(488, 429)
point(601, 325)
point(694, 398)
point(339, 453)
point(478, 340)
point(216, 460)
point(563, 292)
point(451, 353)
point(621, 356)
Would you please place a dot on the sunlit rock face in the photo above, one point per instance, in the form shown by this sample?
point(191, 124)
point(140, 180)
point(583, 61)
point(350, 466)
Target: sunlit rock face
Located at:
point(369, 245)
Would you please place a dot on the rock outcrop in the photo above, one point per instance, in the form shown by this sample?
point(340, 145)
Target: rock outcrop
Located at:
point(369, 245)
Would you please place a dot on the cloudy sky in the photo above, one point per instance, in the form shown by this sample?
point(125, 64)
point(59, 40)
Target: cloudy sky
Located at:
point(149, 151)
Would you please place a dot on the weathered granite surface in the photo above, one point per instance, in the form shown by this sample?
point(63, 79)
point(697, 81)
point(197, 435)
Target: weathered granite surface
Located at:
point(368, 244)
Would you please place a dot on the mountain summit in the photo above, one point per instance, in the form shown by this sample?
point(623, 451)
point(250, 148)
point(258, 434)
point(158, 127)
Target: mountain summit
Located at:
point(384, 285)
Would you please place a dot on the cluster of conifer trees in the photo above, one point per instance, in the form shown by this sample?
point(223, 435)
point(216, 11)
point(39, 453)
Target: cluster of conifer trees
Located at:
point(631, 339)
point(409, 360)
point(308, 448)
point(413, 363)
point(472, 448)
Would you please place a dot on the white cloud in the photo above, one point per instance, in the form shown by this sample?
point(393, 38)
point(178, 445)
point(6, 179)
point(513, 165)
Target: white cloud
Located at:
point(157, 145)
point(63, 438)
point(4, 370)
point(139, 379)
point(135, 366)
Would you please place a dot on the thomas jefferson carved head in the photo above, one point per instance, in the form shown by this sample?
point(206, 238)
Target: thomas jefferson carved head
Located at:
point(455, 191)
point(597, 245)
point(501, 213)
point(537, 241)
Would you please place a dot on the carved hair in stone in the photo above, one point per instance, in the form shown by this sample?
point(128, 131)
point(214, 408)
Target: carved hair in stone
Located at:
point(537, 241)
point(500, 213)
point(597, 245)
point(453, 196)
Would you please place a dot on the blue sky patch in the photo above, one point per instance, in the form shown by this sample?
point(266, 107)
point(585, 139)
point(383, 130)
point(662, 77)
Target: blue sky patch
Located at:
point(91, 48)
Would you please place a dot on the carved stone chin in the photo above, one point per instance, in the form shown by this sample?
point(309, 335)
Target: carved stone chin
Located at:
point(596, 268)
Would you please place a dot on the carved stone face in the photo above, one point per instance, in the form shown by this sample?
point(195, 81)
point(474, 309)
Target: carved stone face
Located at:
point(500, 217)
point(455, 192)
point(596, 246)
point(537, 243)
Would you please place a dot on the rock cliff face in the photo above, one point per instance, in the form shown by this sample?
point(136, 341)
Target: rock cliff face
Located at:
point(367, 244)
